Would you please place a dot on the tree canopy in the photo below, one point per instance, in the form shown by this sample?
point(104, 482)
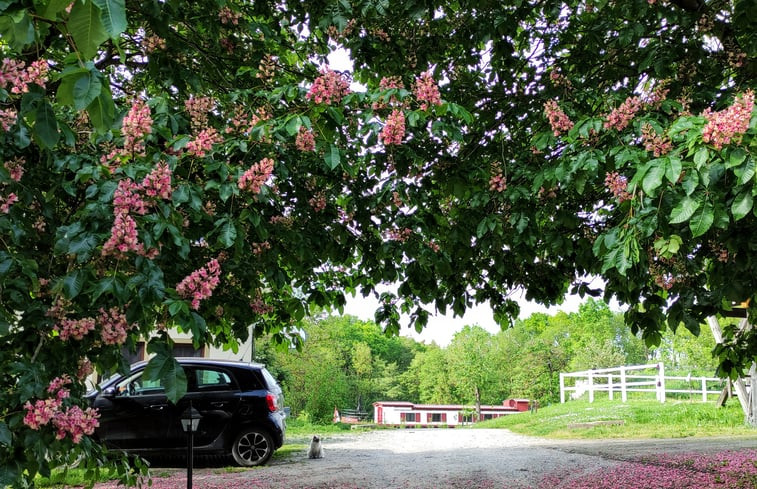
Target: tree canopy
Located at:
point(198, 165)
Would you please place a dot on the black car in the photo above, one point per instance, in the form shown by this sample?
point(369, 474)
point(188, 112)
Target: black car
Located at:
point(239, 404)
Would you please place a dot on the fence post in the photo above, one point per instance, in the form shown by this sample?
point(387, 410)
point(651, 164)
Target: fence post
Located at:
point(623, 392)
point(591, 385)
point(661, 382)
point(609, 386)
point(704, 389)
point(562, 388)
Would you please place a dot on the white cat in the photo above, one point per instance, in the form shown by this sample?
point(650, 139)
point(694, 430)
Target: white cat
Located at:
point(316, 448)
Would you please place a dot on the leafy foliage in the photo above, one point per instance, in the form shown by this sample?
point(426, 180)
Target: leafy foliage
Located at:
point(170, 180)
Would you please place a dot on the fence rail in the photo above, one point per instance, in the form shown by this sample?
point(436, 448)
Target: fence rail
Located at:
point(618, 380)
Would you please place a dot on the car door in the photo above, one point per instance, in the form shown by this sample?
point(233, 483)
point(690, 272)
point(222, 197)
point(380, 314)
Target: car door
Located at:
point(134, 414)
point(214, 393)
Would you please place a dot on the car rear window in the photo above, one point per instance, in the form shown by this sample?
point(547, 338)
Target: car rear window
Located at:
point(210, 379)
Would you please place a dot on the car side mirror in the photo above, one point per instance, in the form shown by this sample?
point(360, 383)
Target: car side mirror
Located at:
point(109, 393)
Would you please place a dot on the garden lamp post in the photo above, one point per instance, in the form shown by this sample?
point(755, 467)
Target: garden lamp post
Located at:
point(190, 420)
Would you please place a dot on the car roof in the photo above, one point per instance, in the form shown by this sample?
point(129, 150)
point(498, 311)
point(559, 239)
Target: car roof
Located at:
point(189, 361)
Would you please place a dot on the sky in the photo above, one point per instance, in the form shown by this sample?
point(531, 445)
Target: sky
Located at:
point(441, 328)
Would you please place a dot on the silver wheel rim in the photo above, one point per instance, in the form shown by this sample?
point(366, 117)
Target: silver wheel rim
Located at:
point(252, 447)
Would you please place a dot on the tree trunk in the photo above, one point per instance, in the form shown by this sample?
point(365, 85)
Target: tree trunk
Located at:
point(478, 404)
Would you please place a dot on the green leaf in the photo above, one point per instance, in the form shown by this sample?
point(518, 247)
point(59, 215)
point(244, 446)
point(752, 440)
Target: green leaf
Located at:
point(742, 204)
point(653, 177)
point(701, 157)
point(46, 126)
point(86, 89)
point(332, 157)
point(6, 438)
point(684, 210)
point(747, 173)
point(102, 111)
point(702, 220)
point(17, 29)
point(86, 27)
point(293, 125)
point(103, 286)
point(73, 283)
point(113, 16)
point(737, 156)
point(165, 368)
point(673, 170)
point(227, 234)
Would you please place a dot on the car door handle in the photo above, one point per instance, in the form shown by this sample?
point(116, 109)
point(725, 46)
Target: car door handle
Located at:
point(218, 404)
point(158, 407)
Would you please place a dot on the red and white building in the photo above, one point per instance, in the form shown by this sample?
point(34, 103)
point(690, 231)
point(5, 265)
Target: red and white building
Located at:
point(401, 413)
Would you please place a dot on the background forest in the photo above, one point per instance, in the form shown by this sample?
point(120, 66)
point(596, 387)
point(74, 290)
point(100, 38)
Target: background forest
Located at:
point(349, 363)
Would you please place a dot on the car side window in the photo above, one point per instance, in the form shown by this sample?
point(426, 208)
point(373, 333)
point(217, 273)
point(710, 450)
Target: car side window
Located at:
point(137, 385)
point(208, 379)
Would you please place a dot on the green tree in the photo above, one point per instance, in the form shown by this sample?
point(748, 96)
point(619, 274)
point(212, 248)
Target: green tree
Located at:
point(192, 164)
point(472, 370)
point(427, 380)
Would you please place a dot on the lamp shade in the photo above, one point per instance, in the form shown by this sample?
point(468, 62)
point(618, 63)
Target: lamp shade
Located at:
point(190, 419)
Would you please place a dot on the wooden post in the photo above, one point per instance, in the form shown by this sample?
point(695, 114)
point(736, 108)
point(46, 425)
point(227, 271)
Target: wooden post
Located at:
point(562, 388)
point(661, 382)
point(591, 386)
point(623, 386)
point(609, 386)
point(704, 389)
point(751, 417)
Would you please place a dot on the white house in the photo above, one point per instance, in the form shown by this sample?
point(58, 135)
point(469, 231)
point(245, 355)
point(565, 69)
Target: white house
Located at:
point(402, 413)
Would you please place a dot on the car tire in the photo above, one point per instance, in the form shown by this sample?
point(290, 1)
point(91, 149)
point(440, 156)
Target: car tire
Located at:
point(252, 446)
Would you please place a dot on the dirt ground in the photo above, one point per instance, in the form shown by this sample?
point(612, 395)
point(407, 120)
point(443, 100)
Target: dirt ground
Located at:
point(439, 458)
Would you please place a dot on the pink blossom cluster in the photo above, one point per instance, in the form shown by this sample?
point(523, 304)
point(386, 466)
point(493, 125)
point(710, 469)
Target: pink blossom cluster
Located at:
point(136, 125)
point(199, 285)
point(15, 168)
point(559, 80)
point(305, 140)
point(260, 248)
point(557, 118)
point(84, 368)
point(729, 124)
point(41, 412)
point(259, 306)
point(388, 83)
point(394, 129)
point(497, 181)
point(123, 237)
point(7, 202)
point(152, 43)
point(617, 185)
point(620, 117)
point(329, 88)
point(400, 235)
point(57, 384)
point(19, 76)
point(657, 145)
point(434, 246)
point(198, 108)
point(74, 328)
point(76, 422)
point(203, 143)
point(8, 117)
point(244, 124)
point(254, 178)
point(114, 326)
point(228, 16)
point(426, 90)
point(127, 198)
point(157, 183)
point(318, 202)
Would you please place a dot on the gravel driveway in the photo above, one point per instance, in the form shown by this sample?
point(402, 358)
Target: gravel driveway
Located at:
point(440, 458)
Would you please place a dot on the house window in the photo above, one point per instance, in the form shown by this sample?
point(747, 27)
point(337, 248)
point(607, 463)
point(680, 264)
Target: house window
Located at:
point(187, 350)
point(487, 416)
point(436, 418)
point(411, 417)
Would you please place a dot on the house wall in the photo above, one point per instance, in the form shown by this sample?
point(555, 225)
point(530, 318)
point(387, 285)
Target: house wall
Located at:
point(405, 413)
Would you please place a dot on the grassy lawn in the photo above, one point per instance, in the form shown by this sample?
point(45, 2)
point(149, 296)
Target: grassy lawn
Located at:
point(641, 419)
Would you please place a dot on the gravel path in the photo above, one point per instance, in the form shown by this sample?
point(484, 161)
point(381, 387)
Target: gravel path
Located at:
point(442, 458)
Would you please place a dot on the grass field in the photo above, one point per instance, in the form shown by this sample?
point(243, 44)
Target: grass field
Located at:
point(641, 419)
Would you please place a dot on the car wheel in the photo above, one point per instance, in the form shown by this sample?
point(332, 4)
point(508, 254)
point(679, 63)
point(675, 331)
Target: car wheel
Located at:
point(252, 446)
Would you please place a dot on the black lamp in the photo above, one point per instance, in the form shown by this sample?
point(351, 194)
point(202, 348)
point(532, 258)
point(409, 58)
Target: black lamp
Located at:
point(190, 421)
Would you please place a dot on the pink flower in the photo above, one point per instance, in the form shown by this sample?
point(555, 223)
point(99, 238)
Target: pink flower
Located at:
point(123, 237)
point(657, 145)
point(305, 140)
point(199, 285)
point(136, 125)
point(12, 73)
point(728, 125)
point(158, 182)
point(152, 43)
point(85, 368)
point(58, 383)
point(394, 129)
point(8, 117)
point(41, 412)
point(329, 88)
point(74, 328)
point(620, 117)
point(254, 178)
point(16, 168)
point(388, 83)
point(75, 422)
point(618, 186)
point(203, 143)
point(5, 204)
point(113, 326)
point(557, 118)
point(228, 16)
point(198, 108)
point(426, 90)
point(126, 199)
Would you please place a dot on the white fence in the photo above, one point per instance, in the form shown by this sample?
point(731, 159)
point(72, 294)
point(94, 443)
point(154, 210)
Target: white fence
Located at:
point(637, 378)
